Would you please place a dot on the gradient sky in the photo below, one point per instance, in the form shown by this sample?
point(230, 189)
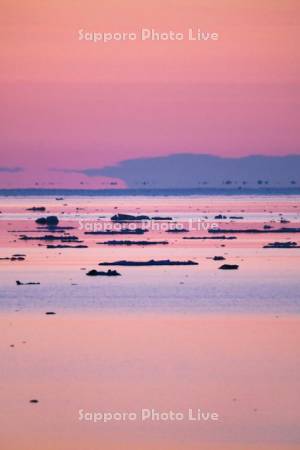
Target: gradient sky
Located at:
point(71, 104)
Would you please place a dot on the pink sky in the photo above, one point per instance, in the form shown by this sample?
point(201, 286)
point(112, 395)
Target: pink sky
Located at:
point(71, 104)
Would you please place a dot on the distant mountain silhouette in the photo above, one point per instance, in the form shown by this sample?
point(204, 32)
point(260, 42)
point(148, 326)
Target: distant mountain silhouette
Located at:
point(184, 170)
point(10, 169)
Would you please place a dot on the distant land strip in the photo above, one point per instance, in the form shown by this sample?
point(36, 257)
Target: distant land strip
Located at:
point(149, 192)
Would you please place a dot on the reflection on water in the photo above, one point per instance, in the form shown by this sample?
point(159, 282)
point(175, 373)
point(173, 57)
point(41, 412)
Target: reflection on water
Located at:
point(267, 279)
point(245, 369)
point(168, 338)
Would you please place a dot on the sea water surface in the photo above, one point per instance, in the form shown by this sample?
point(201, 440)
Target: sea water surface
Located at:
point(168, 338)
point(267, 280)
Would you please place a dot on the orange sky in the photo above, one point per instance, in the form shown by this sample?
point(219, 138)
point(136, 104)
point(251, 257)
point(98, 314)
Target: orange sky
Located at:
point(258, 41)
point(100, 103)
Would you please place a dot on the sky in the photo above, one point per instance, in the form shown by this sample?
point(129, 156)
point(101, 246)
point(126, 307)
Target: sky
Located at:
point(70, 104)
